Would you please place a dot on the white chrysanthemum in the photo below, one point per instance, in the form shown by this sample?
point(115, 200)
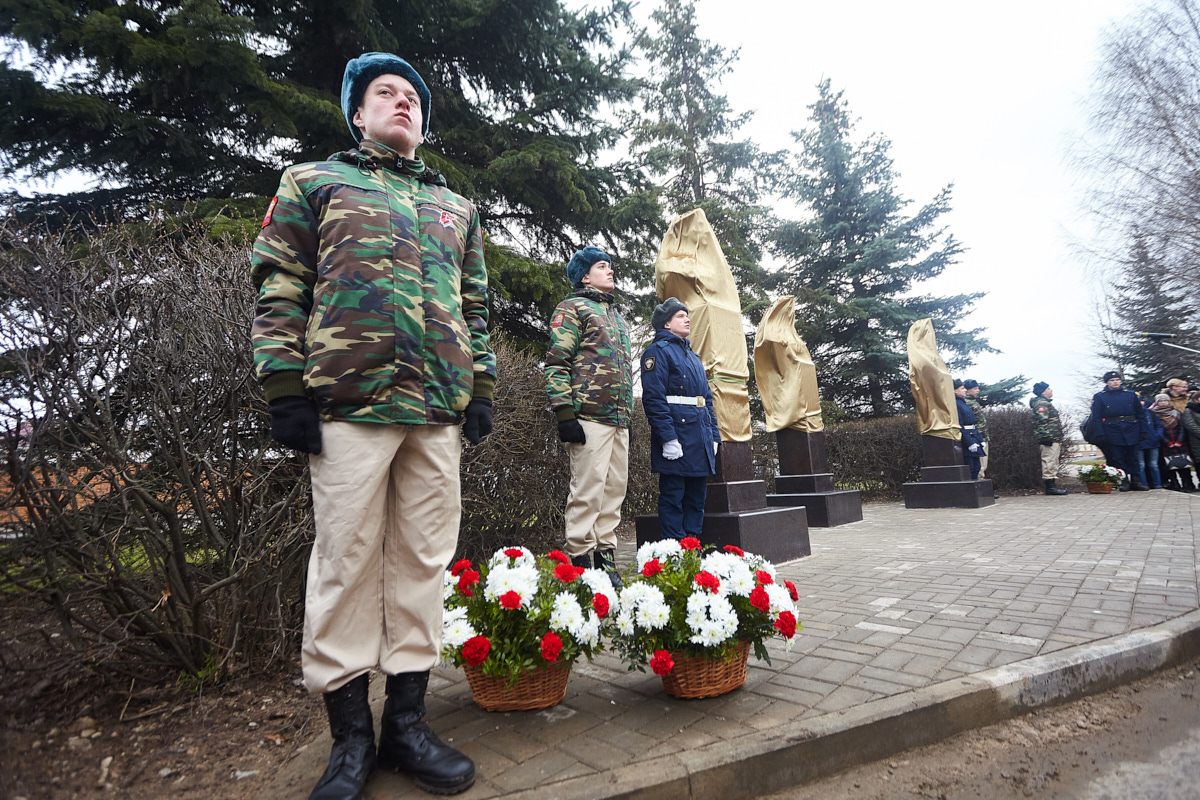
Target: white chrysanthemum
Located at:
point(654, 614)
point(735, 574)
point(625, 622)
point(711, 618)
point(521, 579)
point(662, 550)
point(501, 559)
point(599, 582)
point(566, 615)
point(449, 585)
point(456, 630)
point(781, 599)
point(636, 593)
point(589, 631)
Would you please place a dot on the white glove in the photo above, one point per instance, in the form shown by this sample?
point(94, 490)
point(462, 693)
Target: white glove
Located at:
point(672, 450)
point(973, 448)
point(714, 448)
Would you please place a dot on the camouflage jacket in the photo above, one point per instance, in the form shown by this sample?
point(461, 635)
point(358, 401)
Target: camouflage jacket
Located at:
point(1046, 424)
point(980, 417)
point(589, 372)
point(372, 292)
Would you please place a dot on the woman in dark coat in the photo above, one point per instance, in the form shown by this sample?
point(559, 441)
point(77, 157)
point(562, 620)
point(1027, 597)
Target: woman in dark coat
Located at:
point(683, 425)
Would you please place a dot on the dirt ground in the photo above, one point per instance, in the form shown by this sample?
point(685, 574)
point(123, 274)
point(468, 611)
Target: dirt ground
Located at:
point(1085, 749)
point(68, 734)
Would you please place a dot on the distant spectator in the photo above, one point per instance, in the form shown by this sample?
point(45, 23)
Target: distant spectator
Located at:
point(1176, 458)
point(1190, 417)
point(1177, 391)
point(1123, 429)
point(1152, 446)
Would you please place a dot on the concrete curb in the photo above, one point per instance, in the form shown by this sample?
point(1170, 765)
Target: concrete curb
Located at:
point(807, 751)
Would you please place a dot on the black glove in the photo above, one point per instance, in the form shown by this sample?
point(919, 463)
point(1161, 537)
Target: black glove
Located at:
point(295, 424)
point(569, 430)
point(477, 419)
point(1045, 442)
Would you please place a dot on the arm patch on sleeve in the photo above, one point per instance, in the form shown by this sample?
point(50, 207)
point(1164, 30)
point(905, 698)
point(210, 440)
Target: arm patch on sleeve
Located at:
point(557, 322)
point(648, 364)
point(270, 211)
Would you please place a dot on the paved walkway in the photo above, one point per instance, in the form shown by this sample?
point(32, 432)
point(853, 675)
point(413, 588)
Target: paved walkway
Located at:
point(917, 624)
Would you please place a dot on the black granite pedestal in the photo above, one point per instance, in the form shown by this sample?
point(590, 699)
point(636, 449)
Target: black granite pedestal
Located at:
point(803, 481)
point(736, 512)
point(946, 480)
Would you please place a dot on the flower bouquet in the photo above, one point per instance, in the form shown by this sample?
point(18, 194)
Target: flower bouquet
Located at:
point(1101, 478)
point(694, 615)
point(517, 623)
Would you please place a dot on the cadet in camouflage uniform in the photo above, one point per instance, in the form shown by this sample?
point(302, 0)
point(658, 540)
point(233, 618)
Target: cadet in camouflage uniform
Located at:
point(371, 343)
point(589, 383)
point(1047, 429)
point(972, 401)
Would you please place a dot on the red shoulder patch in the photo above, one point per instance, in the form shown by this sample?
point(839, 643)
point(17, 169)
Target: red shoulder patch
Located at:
point(270, 211)
point(557, 322)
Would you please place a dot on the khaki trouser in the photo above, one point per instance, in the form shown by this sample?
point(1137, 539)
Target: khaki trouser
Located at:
point(983, 461)
point(599, 476)
point(1050, 460)
point(387, 505)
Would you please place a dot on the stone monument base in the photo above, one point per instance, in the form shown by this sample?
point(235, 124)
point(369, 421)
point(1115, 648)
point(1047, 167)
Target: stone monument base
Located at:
point(736, 512)
point(827, 507)
point(946, 482)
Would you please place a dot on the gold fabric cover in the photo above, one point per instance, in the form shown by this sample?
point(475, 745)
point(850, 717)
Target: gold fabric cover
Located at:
point(692, 268)
point(932, 386)
point(784, 371)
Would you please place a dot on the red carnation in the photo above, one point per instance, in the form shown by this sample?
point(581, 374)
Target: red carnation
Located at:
point(566, 573)
point(459, 566)
point(786, 624)
point(706, 580)
point(689, 543)
point(466, 580)
point(600, 603)
point(559, 556)
point(551, 646)
point(759, 599)
point(510, 600)
point(652, 568)
point(662, 663)
point(513, 552)
point(791, 587)
point(764, 577)
point(733, 548)
point(475, 650)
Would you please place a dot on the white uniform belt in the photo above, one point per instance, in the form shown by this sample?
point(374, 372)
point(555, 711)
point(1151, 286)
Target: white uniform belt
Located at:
point(968, 427)
point(679, 400)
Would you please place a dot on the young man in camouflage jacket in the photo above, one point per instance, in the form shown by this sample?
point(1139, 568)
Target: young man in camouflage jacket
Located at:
point(589, 384)
point(370, 341)
point(1047, 429)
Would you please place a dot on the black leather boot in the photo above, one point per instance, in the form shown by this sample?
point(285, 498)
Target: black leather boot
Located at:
point(406, 744)
point(352, 757)
point(1124, 486)
point(584, 561)
point(1051, 488)
point(606, 560)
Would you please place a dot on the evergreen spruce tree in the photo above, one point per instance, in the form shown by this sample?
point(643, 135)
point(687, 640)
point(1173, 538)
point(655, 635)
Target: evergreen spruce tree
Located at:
point(684, 135)
point(852, 265)
point(1145, 298)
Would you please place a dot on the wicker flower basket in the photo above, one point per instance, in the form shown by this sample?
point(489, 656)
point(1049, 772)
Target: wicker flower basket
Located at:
point(695, 676)
point(536, 688)
point(1100, 488)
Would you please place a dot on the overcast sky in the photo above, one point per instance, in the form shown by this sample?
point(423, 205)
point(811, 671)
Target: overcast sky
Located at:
point(988, 97)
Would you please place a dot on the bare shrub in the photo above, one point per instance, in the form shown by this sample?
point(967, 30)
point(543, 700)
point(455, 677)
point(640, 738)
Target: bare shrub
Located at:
point(148, 507)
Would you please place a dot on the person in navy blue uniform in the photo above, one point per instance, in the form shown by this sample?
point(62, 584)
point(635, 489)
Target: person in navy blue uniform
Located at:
point(1123, 427)
point(683, 426)
point(972, 439)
